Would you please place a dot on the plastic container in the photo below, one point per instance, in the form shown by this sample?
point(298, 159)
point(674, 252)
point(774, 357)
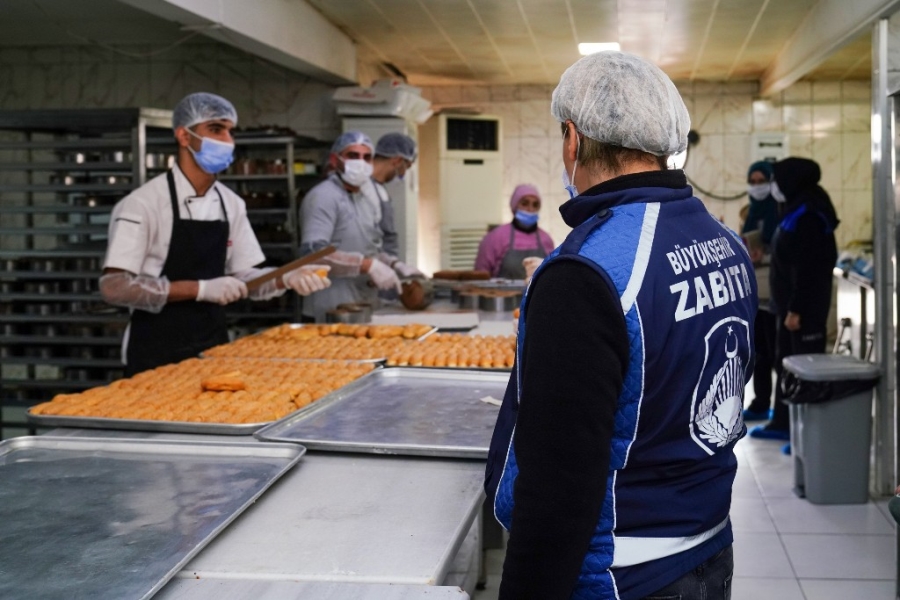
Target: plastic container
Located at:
point(830, 399)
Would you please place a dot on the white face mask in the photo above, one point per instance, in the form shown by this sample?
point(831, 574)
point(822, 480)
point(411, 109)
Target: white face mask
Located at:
point(569, 183)
point(776, 192)
point(356, 171)
point(759, 191)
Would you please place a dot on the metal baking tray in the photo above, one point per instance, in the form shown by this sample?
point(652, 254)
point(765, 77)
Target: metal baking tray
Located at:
point(409, 411)
point(105, 518)
point(144, 425)
point(164, 426)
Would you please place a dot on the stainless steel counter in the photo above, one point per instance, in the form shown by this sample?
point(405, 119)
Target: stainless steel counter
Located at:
point(346, 518)
point(208, 589)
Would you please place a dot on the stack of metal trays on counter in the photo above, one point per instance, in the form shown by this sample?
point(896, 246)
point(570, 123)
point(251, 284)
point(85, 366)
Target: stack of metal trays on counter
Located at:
point(105, 518)
point(406, 411)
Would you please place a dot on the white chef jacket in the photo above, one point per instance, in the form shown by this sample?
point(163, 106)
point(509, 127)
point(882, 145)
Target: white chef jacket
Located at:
point(140, 226)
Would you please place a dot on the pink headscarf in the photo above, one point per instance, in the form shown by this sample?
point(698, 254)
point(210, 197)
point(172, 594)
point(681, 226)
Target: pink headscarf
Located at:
point(525, 189)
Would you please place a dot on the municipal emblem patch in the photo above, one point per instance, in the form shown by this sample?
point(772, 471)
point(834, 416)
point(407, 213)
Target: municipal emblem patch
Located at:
point(717, 408)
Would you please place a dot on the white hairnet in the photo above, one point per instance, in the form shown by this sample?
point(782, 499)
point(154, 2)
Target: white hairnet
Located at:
point(621, 99)
point(396, 144)
point(201, 107)
point(350, 138)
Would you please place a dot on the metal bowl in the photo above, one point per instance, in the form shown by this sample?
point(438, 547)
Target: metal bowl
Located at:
point(499, 302)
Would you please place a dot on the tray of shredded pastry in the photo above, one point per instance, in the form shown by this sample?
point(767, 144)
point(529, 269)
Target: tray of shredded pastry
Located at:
point(110, 519)
point(225, 396)
point(423, 412)
point(335, 341)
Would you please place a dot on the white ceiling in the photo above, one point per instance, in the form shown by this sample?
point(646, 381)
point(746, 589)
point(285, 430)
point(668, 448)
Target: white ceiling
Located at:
point(533, 41)
point(492, 41)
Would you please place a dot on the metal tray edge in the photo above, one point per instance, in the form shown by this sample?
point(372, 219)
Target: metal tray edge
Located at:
point(143, 425)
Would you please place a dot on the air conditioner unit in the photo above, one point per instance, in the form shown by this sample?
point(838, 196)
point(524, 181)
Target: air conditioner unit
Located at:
point(386, 98)
point(461, 170)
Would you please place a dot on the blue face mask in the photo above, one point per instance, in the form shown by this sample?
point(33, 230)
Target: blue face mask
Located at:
point(214, 156)
point(528, 219)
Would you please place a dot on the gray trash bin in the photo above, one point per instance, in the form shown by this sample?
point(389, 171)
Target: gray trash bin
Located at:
point(830, 399)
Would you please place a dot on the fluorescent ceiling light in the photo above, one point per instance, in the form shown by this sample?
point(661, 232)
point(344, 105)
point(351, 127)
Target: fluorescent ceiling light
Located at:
point(591, 48)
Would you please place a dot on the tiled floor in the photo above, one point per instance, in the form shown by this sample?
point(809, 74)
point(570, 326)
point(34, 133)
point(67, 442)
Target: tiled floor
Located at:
point(787, 548)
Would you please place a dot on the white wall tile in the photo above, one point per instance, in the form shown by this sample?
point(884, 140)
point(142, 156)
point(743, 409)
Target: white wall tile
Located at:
point(826, 91)
point(737, 113)
point(476, 94)
point(798, 117)
point(736, 149)
point(856, 160)
point(800, 92)
point(706, 163)
point(856, 217)
point(827, 152)
point(504, 93)
point(767, 115)
point(707, 115)
point(534, 118)
point(800, 144)
point(856, 116)
point(826, 116)
point(856, 90)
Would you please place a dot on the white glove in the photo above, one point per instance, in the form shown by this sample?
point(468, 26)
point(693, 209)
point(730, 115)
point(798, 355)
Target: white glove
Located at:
point(383, 276)
point(404, 270)
point(221, 290)
point(305, 281)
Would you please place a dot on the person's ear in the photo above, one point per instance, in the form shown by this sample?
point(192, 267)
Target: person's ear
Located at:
point(183, 137)
point(570, 142)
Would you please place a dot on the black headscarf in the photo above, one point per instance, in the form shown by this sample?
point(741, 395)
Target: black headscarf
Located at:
point(798, 179)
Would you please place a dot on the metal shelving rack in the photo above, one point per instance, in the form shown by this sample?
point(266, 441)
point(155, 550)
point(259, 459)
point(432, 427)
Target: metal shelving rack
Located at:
point(264, 174)
point(61, 171)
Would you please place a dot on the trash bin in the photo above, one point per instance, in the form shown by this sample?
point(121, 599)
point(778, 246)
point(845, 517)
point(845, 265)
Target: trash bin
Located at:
point(830, 399)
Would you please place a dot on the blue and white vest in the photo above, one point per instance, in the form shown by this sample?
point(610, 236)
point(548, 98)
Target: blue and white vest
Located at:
point(688, 295)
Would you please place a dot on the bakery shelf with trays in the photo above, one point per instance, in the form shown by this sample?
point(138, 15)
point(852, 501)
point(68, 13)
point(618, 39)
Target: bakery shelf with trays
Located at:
point(61, 172)
point(271, 172)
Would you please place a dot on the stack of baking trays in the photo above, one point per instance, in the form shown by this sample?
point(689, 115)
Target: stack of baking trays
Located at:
point(116, 517)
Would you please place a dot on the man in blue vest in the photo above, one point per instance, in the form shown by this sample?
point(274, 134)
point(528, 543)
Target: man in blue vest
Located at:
point(612, 460)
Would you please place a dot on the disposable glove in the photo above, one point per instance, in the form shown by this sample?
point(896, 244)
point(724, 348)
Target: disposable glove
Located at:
point(531, 264)
point(305, 280)
point(221, 290)
point(383, 276)
point(404, 270)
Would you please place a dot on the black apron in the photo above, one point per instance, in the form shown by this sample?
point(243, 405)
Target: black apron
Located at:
point(511, 267)
point(183, 329)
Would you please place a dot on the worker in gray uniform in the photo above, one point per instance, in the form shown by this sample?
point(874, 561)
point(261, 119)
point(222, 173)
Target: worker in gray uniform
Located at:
point(337, 212)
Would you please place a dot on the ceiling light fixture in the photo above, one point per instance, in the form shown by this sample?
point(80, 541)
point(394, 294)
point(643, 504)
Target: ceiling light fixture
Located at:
point(591, 48)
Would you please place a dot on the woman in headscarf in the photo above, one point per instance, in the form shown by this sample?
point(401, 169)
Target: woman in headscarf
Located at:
point(759, 226)
point(503, 249)
point(804, 252)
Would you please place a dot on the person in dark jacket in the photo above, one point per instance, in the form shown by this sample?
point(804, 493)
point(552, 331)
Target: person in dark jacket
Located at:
point(758, 229)
point(612, 461)
point(804, 252)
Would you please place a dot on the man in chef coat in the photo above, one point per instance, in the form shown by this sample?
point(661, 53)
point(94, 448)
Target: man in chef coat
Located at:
point(181, 247)
point(338, 212)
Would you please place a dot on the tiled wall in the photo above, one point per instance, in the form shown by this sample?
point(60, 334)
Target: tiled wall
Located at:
point(826, 121)
point(90, 77)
